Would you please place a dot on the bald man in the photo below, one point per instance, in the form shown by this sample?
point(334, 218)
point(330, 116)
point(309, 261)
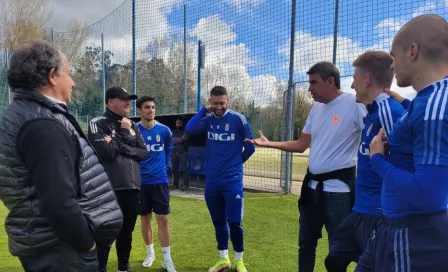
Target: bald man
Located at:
point(413, 233)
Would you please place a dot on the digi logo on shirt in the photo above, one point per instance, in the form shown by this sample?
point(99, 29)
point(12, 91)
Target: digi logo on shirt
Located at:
point(155, 147)
point(222, 137)
point(364, 149)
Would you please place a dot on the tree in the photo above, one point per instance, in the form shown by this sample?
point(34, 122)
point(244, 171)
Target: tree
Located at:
point(87, 98)
point(302, 108)
point(23, 20)
point(72, 42)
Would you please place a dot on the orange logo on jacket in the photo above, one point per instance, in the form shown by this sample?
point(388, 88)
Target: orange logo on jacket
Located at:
point(335, 119)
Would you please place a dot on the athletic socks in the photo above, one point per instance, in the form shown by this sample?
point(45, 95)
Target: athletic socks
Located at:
point(166, 254)
point(150, 249)
point(224, 254)
point(238, 256)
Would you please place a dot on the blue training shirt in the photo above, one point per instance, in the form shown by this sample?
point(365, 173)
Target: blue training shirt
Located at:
point(382, 113)
point(415, 173)
point(159, 143)
point(225, 143)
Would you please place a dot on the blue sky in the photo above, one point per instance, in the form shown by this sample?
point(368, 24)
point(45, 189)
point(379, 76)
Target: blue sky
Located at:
point(247, 41)
point(263, 26)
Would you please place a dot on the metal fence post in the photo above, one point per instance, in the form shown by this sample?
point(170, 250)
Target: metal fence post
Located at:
point(289, 118)
point(335, 31)
point(201, 65)
point(134, 68)
point(103, 72)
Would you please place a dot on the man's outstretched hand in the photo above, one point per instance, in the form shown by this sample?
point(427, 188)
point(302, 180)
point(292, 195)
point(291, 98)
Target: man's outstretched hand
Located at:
point(261, 141)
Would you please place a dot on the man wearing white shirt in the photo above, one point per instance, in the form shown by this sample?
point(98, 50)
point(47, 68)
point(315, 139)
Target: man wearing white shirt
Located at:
point(332, 132)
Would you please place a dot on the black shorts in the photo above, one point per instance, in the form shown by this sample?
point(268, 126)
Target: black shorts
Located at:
point(352, 236)
point(154, 198)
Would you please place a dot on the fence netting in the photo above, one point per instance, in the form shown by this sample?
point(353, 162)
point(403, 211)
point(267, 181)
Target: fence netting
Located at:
point(247, 49)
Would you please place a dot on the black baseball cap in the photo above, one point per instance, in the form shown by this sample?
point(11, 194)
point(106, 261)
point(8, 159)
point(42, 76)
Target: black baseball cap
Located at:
point(119, 92)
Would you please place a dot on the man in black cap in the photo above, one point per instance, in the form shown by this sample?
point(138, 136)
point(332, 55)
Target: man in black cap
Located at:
point(121, 147)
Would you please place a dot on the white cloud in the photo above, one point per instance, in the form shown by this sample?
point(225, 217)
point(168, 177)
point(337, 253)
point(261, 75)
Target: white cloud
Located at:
point(388, 27)
point(429, 7)
point(244, 5)
point(83, 10)
point(263, 89)
point(226, 61)
point(310, 49)
point(407, 92)
point(386, 31)
point(346, 83)
point(151, 21)
point(219, 40)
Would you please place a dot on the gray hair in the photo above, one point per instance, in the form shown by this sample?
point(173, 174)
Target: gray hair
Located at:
point(30, 64)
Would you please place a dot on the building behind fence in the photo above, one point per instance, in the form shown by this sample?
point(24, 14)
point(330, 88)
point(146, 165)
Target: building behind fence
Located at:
point(259, 50)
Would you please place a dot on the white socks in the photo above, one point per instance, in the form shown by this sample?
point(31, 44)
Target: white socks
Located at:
point(166, 254)
point(224, 253)
point(238, 256)
point(150, 249)
point(165, 250)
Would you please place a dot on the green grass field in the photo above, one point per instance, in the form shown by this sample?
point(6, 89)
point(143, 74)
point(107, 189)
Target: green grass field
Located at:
point(270, 223)
point(266, 163)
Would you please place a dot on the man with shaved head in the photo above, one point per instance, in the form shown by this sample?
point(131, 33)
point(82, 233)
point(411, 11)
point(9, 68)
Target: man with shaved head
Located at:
point(413, 233)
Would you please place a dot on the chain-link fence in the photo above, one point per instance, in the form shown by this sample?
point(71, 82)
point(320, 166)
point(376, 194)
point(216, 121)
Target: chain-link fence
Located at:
point(259, 50)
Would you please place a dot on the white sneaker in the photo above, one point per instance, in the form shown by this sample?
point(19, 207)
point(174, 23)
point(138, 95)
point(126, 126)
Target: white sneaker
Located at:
point(169, 267)
point(148, 261)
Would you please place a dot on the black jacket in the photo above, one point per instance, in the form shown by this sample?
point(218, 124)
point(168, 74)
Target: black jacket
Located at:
point(51, 180)
point(123, 154)
point(180, 140)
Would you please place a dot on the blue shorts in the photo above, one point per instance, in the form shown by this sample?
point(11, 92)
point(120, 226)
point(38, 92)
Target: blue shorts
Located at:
point(352, 236)
point(225, 201)
point(412, 243)
point(154, 198)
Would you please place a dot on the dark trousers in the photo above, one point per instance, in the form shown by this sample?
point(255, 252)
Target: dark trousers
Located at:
point(128, 201)
point(413, 243)
point(337, 207)
point(180, 158)
point(62, 258)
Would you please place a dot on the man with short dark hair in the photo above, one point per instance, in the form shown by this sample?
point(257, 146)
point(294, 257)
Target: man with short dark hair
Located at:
point(372, 75)
point(224, 195)
point(155, 194)
point(332, 132)
point(58, 194)
point(180, 155)
point(413, 232)
point(119, 143)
